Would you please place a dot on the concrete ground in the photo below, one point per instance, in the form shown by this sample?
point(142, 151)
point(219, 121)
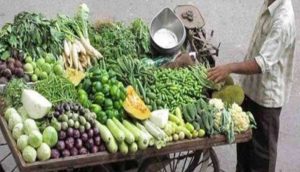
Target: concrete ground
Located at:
point(233, 22)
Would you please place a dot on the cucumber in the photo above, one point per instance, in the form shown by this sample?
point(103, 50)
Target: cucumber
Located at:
point(153, 130)
point(129, 137)
point(138, 134)
point(185, 131)
point(198, 105)
point(105, 134)
point(141, 88)
point(181, 135)
point(112, 146)
point(200, 122)
point(195, 134)
point(206, 123)
point(123, 148)
point(175, 137)
point(175, 119)
point(143, 129)
point(186, 115)
point(142, 145)
point(196, 125)
point(192, 111)
point(178, 113)
point(115, 130)
point(190, 127)
point(151, 95)
point(135, 131)
point(133, 147)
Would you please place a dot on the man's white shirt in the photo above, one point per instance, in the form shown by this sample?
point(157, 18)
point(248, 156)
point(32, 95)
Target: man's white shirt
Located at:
point(272, 46)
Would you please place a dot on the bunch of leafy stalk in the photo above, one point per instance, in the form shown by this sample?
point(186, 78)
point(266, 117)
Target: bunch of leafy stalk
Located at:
point(31, 33)
point(115, 40)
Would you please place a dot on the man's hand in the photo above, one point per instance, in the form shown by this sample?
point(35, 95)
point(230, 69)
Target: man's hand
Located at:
point(219, 73)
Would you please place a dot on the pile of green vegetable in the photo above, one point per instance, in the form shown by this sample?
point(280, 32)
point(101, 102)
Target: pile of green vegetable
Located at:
point(43, 67)
point(33, 143)
point(174, 87)
point(103, 94)
point(115, 40)
point(57, 89)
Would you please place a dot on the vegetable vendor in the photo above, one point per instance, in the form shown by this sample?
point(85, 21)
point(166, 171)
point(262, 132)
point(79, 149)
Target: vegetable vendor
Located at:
point(267, 80)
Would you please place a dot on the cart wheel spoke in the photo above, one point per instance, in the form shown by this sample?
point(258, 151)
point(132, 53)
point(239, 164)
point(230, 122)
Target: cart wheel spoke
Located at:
point(185, 161)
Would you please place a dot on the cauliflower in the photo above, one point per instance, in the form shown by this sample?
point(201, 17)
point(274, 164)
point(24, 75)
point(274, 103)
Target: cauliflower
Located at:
point(218, 120)
point(217, 103)
point(240, 119)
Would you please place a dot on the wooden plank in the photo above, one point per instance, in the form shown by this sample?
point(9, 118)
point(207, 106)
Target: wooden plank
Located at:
point(104, 157)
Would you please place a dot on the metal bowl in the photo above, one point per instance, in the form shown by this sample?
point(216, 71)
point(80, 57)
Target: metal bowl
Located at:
point(167, 19)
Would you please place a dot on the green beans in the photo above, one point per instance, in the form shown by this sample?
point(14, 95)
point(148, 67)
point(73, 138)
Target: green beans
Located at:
point(173, 87)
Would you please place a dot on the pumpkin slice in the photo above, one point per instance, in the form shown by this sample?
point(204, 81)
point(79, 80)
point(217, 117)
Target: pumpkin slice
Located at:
point(135, 106)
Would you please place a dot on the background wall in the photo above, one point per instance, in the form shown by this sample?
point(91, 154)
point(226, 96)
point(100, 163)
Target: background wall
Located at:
point(233, 22)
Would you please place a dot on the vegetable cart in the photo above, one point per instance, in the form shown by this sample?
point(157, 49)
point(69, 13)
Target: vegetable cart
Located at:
point(122, 113)
point(186, 155)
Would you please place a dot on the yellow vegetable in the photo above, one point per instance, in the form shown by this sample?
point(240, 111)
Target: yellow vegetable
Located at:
point(135, 106)
point(74, 75)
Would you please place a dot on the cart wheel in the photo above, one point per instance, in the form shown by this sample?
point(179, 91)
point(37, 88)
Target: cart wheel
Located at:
point(200, 160)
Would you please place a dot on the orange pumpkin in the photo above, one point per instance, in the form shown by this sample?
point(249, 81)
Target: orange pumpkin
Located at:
point(135, 106)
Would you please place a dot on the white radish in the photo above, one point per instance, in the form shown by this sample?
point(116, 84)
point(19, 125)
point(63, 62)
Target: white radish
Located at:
point(80, 46)
point(89, 61)
point(89, 48)
point(80, 67)
point(66, 48)
point(74, 56)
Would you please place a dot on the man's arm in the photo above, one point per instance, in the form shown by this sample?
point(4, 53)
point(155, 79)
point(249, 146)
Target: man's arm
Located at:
point(219, 73)
point(268, 56)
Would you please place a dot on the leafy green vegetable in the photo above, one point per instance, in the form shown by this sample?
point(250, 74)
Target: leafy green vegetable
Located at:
point(13, 92)
point(115, 40)
point(142, 36)
point(32, 33)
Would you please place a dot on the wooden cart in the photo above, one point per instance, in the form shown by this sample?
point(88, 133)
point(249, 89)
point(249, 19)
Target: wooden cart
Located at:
point(185, 155)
